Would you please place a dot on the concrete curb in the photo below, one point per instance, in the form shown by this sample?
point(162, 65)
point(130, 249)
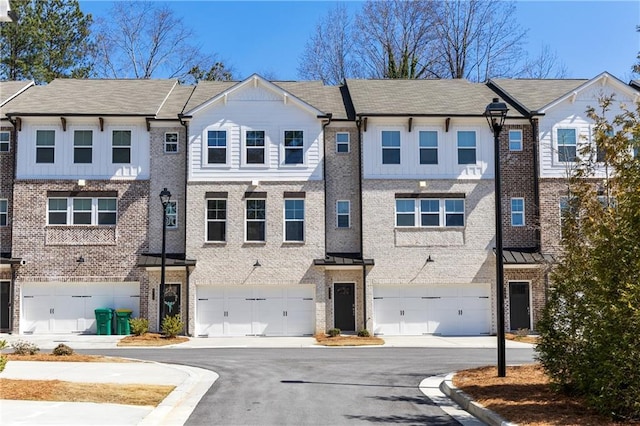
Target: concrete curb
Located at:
point(487, 416)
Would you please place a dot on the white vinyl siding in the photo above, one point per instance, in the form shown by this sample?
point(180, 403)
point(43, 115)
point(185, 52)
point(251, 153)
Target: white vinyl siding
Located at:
point(517, 212)
point(429, 212)
point(515, 140)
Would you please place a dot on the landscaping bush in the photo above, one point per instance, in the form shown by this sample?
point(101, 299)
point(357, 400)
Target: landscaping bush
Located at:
point(364, 333)
point(333, 332)
point(22, 347)
point(172, 326)
point(3, 358)
point(139, 326)
point(62, 350)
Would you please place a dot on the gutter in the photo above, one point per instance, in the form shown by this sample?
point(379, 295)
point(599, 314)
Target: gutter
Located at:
point(324, 175)
point(364, 266)
point(185, 124)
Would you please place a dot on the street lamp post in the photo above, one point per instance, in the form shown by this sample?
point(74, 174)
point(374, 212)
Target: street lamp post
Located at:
point(495, 113)
point(165, 197)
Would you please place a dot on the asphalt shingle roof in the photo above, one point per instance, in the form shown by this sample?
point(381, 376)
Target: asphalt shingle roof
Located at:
point(534, 94)
point(8, 89)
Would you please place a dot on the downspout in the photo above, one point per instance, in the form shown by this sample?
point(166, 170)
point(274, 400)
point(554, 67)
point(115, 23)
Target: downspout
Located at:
point(364, 267)
point(536, 184)
point(185, 124)
point(324, 176)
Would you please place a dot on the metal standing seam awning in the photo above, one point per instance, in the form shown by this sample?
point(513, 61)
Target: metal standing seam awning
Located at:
point(515, 257)
point(155, 260)
point(345, 260)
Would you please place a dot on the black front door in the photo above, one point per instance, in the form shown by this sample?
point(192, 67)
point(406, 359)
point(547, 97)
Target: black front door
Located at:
point(5, 305)
point(344, 305)
point(519, 310)
point(169, 300)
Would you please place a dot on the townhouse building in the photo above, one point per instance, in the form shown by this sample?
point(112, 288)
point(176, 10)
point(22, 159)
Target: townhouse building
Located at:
point(295, 207)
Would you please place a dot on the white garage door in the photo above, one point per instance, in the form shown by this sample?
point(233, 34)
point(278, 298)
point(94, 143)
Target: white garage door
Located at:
point(255, 310)
point(446, 310)
point(70, 308)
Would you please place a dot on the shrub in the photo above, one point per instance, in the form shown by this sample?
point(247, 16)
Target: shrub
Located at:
point(364, 333)
point(62, 350)
point(139, 326)
point(3, 358)
point(522, 332)
point(333, 332)
point(172, 326)
point(22, 347)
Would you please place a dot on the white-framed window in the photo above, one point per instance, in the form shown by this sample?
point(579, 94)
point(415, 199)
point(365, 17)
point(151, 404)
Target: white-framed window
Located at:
point(4, 212)
point(45, 146)
point(255, 146)
point(5, 137)
point(342, 142)
point(171, 142)
point(466, 147)
point(343, 214)
point(600, 151)
point(256, 220)
point(216, 220)
point(567, 145)
point(390, 146)
point(172, 215)
point(82, 146)
point(217, 147)
point(294, 220)
point(428, 141)
point(82, 211)
point(293, 147)
point(517, 211)
point(567, 211)
point(515, 140)
point(121, 147)
point(429, 212)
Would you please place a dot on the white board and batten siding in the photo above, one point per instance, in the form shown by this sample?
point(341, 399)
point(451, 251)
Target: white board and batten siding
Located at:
point(101, 166)
point(255, 108)
point(410, 167)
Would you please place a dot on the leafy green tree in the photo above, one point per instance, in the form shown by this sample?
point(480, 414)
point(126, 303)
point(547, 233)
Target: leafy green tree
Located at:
point(590, 328)
point(50, 39)
point(636, 67)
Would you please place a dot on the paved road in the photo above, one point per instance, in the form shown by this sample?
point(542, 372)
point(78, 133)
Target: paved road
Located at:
point(321, 386)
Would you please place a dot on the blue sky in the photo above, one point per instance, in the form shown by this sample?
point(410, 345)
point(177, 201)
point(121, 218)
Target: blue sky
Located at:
point(268, 37)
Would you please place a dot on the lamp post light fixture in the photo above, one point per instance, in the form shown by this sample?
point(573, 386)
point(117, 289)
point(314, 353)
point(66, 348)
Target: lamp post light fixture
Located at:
point(165, 197)
point(495, 113)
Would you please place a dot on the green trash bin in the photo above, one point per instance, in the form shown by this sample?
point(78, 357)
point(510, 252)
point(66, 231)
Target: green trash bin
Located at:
point(122, 321)
point(103, 320)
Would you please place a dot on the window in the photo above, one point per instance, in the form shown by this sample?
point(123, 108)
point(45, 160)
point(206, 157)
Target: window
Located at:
point(4, 213)
point(428, 147)
point(82, 146)
point(342, 142)
point(600, 150)
point(256, 220)
point(567, 145)
point(216, 220)
point(121, 149)
point(216, 147)
point(172, 214)
point(4, 141)
point(568, 210)
point(171, 142)
point(254, 140)
point(294, 220)
point(343, 214)
point(515, 140)
point(466, 147)
point(293, 147)
point(517, 212)
point(390, 147)
point(433, 212)
point(82, 211)
point(45, 146)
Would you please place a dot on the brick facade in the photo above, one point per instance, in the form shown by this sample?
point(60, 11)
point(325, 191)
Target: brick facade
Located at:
point(7, 161)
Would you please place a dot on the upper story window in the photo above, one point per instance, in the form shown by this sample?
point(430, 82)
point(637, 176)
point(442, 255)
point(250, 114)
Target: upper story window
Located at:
point(256, 220)
point(429, 212)
point(428, 147)
point(600, 151)
point(121, 147)
point(172, 214)
point(293, 147)
point(216, 220)
point(517, 212)
point(217, 147)
point(343, 214)
point(4, 212)
point(255, 146)
point(294, 220)
point(567, 144)
point(82, 147)
point(466, 147)
point(390, 147)
point(342, 142)
point(515, 140)
point(171, 142)
point(45, 146)
point(81, 211)
point(4, 141)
